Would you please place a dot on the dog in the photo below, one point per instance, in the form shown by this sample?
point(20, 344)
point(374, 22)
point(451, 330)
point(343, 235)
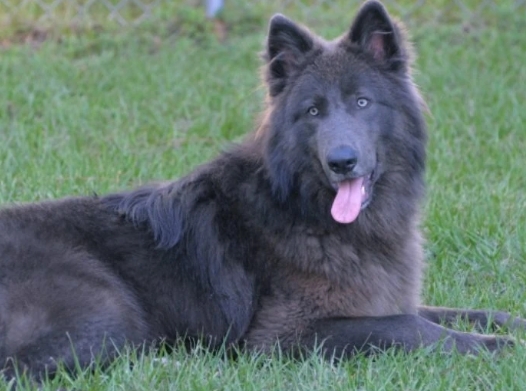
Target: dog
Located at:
point(306, 235)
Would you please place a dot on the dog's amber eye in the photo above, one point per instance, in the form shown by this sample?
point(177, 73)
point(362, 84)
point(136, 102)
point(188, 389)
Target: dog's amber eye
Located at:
point(313, 111)
point(362, 102)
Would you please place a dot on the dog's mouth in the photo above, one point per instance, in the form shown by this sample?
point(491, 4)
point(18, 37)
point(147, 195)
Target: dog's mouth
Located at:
point(352, 195)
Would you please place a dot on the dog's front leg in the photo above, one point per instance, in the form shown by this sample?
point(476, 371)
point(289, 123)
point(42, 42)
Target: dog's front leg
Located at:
point(482, 319)
point(339, 337)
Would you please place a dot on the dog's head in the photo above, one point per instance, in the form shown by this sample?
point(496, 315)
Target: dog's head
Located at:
point(345, 110)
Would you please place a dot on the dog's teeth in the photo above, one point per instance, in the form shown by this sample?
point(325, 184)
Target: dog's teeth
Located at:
point(363, 190)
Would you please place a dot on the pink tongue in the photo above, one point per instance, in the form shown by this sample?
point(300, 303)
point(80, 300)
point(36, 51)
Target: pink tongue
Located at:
point(348, 201)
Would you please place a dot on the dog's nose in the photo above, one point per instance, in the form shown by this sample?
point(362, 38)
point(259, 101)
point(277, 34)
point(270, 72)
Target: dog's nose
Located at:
point(342, 160)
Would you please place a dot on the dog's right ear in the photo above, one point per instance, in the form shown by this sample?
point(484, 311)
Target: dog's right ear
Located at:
point(287, 45)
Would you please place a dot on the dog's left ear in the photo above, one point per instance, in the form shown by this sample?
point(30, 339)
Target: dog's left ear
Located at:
point(375, 33)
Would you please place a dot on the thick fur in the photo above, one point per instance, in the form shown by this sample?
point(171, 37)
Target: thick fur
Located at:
point(244, 251)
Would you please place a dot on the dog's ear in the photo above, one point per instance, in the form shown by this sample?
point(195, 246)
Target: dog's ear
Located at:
point(287, 46)
point(376, 34)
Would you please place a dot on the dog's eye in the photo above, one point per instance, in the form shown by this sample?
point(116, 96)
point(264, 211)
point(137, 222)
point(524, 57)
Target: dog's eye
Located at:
point(362, 102)
point(313, 111)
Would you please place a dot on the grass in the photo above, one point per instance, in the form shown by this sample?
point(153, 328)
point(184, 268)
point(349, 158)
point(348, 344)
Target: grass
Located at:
point(98, 113)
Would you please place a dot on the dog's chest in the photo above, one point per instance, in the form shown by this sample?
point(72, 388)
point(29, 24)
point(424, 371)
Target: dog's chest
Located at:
point(320, 277)
point(363, 289)
point(297, 299)
point(345, 277)
point(315, 276)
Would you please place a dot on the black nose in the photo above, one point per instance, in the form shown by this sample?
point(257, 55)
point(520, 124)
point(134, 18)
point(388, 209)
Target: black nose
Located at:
point(342, 160)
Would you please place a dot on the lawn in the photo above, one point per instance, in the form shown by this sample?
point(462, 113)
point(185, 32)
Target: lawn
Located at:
point(100, 112)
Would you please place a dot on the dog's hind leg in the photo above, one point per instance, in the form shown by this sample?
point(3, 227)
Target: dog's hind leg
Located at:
point(340, 337)
point(71, 314)
point(482, 319)
point(88, 345)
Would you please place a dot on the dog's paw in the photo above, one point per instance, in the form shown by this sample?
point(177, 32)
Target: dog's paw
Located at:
point(504, 319)
point(498, 343)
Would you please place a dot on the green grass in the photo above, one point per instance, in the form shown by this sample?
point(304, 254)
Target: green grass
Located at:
point(106, 112)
